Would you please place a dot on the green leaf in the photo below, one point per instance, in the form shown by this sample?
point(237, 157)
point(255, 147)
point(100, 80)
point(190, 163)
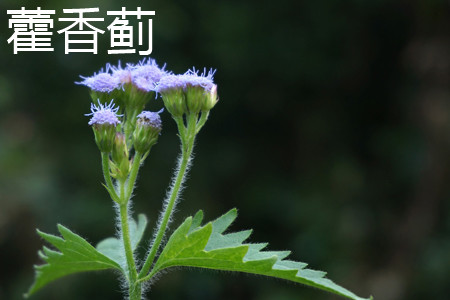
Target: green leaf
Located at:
point(207, 246)
point(113, 247)
point(76, 255)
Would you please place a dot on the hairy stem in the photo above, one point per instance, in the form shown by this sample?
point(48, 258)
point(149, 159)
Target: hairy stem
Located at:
point(202, 121)
point(135, 292)
point(132, 273)
point(187, 137)
point(133, 174)
point(107, 176)
point(129, 125)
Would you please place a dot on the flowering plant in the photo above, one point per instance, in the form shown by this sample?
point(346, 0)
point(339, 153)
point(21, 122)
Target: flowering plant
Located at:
point(125, 134)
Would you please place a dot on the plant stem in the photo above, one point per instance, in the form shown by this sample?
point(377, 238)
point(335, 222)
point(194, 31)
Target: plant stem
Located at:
point(129, 125)
point(107, 176)
point(132, 273)
point(135, 292)
point(187, 139)
point(202, 121)
point(133, 174)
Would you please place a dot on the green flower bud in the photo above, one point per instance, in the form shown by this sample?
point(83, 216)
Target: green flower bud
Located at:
point(148, 127)
point(174, 101)
point(210, 99)
point(195, 97)
point(120, 155)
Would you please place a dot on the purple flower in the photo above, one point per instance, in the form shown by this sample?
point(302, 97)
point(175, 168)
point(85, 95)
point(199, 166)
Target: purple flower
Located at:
point(121, 75)
point(104, 114)
point(188, 79)
point(151, 118)
point(101, 82)
point(146, 74)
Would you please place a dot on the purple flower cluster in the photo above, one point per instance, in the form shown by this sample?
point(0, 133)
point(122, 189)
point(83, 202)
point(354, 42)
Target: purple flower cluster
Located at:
point(133, 85)
point(144, 75)
point(188, 79)
point(104, 114)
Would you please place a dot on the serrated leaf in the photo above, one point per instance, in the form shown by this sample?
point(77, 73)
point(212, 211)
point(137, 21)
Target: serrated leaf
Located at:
point(113, 247)
point(76, 255)
point(207, 246)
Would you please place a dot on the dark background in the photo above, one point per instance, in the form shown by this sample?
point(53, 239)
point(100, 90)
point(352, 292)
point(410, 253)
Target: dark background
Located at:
point(331, 136)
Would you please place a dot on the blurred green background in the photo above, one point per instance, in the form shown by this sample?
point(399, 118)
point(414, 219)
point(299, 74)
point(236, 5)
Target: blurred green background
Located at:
point(331, 136)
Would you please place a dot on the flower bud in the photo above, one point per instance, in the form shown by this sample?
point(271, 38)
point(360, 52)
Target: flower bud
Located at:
point(104, 121)
point(148, 127)
point(195, 97)
point(210, 99)
point(174, 101)
point(119, 156)
point(171, 88)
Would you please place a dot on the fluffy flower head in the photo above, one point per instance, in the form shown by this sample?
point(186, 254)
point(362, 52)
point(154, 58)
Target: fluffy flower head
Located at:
point(101, 82)
point(189, 79)
point(146, 74)
point(122, 75)
point(104, 114)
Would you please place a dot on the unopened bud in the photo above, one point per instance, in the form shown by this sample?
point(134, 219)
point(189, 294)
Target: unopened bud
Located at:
point(210, 99)
point(171, 88)
point(148, 127)
point(195, 97)
point(119, 155)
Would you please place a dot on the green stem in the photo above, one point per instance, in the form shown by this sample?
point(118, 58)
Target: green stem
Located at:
point(129, 126)
point(135, 292)
point(148, 277)
point(107, 176)
point(187, 138)
point(181, 129)
point(132, 273)
point(133, 175)
point(202, 121)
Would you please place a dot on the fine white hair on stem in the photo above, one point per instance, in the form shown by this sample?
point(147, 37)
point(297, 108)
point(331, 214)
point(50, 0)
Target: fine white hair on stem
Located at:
point(169, 194)
point(119, 233)
point(124, 285)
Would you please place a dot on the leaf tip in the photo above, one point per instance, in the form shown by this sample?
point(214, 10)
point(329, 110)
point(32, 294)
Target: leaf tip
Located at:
point(61, 227)
point(42, 234)
point(142, 217)
point(42, 255)
point(199, 214)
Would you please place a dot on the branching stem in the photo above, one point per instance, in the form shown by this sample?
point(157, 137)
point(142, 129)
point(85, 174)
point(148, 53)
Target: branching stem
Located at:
point(125, 190)
point(187, 137)
point(133, 174)
point(107, 176)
